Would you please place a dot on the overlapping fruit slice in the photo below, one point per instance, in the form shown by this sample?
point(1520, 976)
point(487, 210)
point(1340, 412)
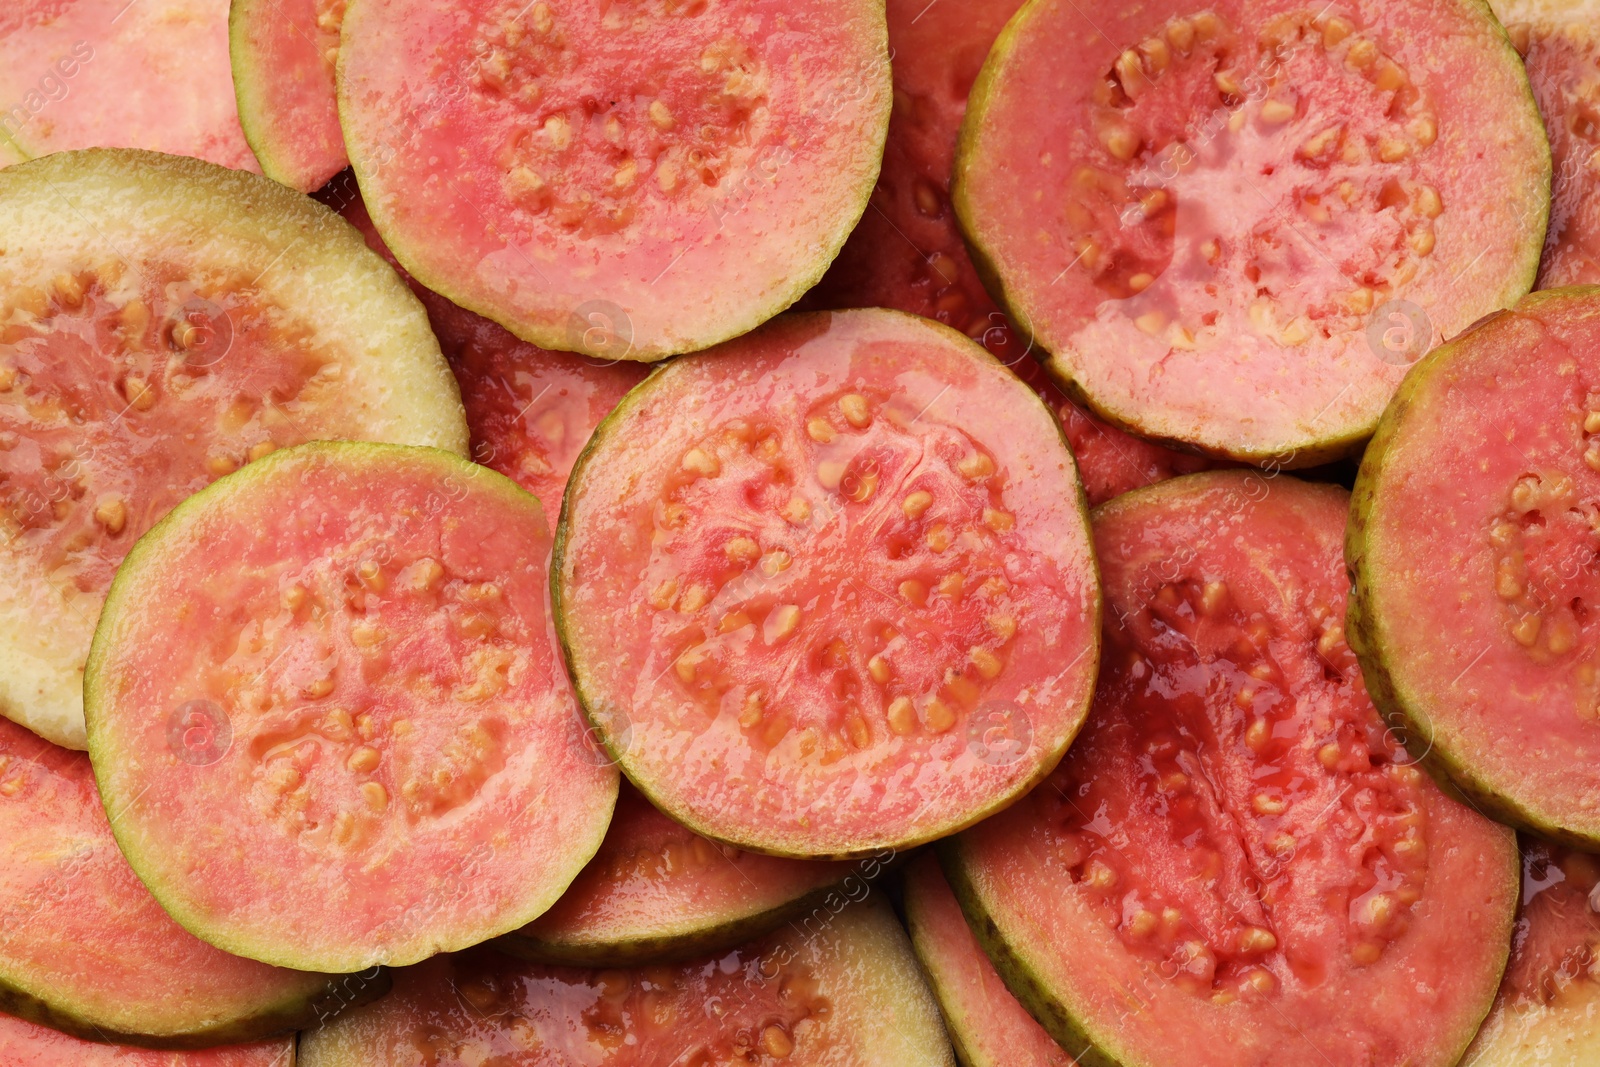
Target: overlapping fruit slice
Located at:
point(283, 54)
point(1236, 864)
point(828, 589)
point(358, 745)
point(1234, 224)
point(164, 321)
point(26, 1044)
point(842, 991)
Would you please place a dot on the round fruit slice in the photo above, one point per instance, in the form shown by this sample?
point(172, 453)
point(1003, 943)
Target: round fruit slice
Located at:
point(829, 590)
point(656, 891)
point(26, 1044)
point(1548, 1011)
point(1235, 864)
point(283, 54)
point(844, 992)
point(1472, 544)
point(113, 74)
point(1221, 229)
point(360, 683)
point(163, 321)
point(1560, 43)
point(671, 175)
point(85, 948)
point(987, 1025)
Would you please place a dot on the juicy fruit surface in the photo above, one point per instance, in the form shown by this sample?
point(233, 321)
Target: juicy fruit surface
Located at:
point(1560, 43)
point(1207, 221)
point(87, 948)
point(829, 589)
point(907, 252)
point(580, 179)
point(845, 993)
point(657, 889)
point(26, 1044)
point(1548, 1010)
point(146, 351)
point(988, 1026)
point(110, 74)
point(1235, 848)
point(1472, 546)
point(361, 631)
point(283, 54)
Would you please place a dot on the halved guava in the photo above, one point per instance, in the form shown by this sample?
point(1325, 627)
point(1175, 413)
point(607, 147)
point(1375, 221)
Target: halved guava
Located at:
point(1226, 214)
point(843, 990)
point(1548, 1010)
point(149, 74)
point(986, 1024)
point(829, 589)
point(27, 1044)
point(683, 170)
point(1473, 546)
point(86, 949)
point(1560, 42)
point(657, 890)
point(163, 321)
point(283, 54)
point(358, 745)
point(1236, 864)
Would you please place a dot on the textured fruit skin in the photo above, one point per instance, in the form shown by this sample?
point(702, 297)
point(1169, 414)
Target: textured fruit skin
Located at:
point(27, 1044)
point(285, 88)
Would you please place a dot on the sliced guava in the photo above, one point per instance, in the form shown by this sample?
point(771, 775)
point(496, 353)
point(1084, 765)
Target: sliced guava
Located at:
point(163, 321)
point(1226, 217)
point(1560, 42)
point(986, 1024)
point(842, 990)
point(85, 947)
point(283, 54)
point(658, 891)
point(359, 745)
point(829, 589)
point(1236, 864)
point(1548, 1010)
point(682, 170)
point(27, 1044)
point(147, 74)
point(1472, 544)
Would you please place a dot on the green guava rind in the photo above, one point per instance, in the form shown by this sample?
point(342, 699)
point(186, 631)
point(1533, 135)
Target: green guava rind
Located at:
point(24, 1043)
point(1289, 455)
point(279, 133)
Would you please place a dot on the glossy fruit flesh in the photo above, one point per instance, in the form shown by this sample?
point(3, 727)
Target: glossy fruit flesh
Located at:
point(401, 768)
point(26, 1044)
point(129, 380)
point(283, 54)
point(110, 74)
point(846, 992)
point(1235, 845)
point(656, 890)
point(1475, 629)
point(988, 1026)
point(1213, 213)
point(682, 199)
point(860, 559)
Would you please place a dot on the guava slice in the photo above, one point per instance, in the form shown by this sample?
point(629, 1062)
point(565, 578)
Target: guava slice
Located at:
point(843, 990)
point(986, 1024)
point(1472, 541)
point(27, 1044)
point(1236, 864)
point(658, 891)
point(1548, 1010)
point(1560, 42)
point(87, 949)
point(283, 54)
point(829, 589)
point(162, 321)
point(113, 74)
point(362, 686)
point(1226, 216)
point(528, 163)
